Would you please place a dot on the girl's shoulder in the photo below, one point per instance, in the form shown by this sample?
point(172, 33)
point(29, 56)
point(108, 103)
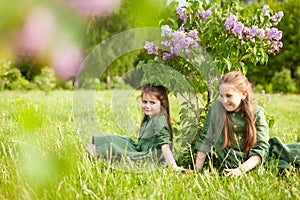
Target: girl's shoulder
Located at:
point(161, 118)
point(257, 110)
point(159, 121)
point(216, 105)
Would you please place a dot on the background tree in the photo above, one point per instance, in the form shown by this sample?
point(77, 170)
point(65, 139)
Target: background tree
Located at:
point(288, 61)
point(132, 14)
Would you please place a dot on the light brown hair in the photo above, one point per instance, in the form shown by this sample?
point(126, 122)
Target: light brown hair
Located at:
point(240, 83)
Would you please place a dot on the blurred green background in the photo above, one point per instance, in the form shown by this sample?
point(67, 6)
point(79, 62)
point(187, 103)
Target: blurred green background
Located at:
point(44, 42)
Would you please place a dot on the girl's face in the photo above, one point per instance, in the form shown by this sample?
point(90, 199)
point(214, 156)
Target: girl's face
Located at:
point(231, 98)
point(150, 104)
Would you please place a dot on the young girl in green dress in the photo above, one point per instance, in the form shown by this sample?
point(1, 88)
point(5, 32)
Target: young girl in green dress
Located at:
point(155, 136)
point(238, 131)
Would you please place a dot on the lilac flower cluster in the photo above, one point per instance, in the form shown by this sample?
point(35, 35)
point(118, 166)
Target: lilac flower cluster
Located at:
point(181, 14)
point(151, 48)
point(176, 43)
point(179, 42)
point(201, 16)
point(275, 19)
point(271, 35)
point(265, 11)
point(204, 16)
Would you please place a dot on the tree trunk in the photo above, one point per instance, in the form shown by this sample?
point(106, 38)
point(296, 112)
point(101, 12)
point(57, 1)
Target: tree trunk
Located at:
point(108, 85)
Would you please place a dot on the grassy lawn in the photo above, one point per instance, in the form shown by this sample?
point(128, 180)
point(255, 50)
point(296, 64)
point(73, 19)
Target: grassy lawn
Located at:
point(43, 157)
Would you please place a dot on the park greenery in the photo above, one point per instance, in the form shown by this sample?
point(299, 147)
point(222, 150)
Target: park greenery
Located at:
point(281, 72)
point(42, 150)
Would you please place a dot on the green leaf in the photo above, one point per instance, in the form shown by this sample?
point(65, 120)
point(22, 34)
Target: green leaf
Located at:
point(228, 63)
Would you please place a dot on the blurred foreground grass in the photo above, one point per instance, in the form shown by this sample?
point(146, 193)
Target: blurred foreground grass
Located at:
point(43, 157)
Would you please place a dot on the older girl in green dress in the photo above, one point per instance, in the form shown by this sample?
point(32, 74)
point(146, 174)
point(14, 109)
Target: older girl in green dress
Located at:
point(238, 132)
point(155, 136)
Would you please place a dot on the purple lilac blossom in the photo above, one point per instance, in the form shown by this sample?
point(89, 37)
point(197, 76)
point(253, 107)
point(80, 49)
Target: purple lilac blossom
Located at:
point(280, 14)
point(276, 45)
point(166, 56)
point(181, 28)
point(278, 35)
point(271, 36)
point(206, 14)
point(246, 32)
point(231, 20)
point(176, 49)
point(166, 43)
point(250, 33)
point(274, 34)
point(238, 28)
point(149, 46)
point(176, 42)
point(194, 34)
point(252, 40)
point(265, 11)
point(178, 36)
point(180, 12)
point(253, 31)
point(188, 41)
point(275, 19)
point(260, 33)
point(166, 31)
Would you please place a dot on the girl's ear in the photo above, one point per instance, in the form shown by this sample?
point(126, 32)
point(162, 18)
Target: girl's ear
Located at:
point(244, 94)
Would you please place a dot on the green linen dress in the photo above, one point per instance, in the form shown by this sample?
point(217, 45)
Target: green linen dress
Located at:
point(154, 132)
point(270, 150)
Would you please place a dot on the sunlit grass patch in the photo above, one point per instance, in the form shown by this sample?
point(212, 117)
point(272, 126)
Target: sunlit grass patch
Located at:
point(43, 155)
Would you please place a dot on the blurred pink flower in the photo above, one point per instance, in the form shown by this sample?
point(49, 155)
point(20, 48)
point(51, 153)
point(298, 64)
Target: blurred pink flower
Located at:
point(268, 98)
point(37, 33)
point(66, 60)
point(95, 7)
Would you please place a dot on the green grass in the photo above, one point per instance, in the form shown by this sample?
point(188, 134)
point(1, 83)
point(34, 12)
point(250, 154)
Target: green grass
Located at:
point(43, 157)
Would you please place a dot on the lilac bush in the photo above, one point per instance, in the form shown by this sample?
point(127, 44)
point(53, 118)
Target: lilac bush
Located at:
point(232, 35)
point(268, 36)
point(176, 43)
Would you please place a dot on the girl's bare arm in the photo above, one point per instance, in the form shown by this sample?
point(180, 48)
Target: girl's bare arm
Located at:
point(167, 153)
point(200, 159)
point(252, 162)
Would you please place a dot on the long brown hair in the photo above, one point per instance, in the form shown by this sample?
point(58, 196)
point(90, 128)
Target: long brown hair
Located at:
point(161, 94)
point(240, 83)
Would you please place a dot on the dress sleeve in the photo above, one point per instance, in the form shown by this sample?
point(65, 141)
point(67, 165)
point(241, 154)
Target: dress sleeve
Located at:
point(262, 145)
point(212, 129)
point(161, 131)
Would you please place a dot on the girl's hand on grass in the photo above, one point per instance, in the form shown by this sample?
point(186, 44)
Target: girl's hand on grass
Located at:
point(180, 169)
point(235, 173)
point(246, 166)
